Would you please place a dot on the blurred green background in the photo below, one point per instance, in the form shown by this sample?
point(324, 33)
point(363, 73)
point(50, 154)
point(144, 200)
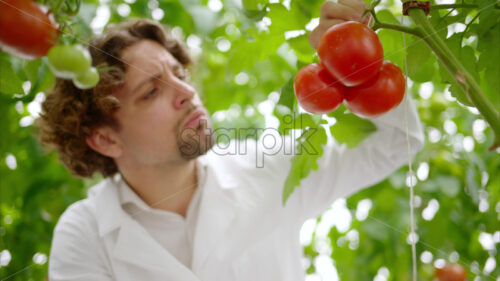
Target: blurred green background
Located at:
point(246, 55)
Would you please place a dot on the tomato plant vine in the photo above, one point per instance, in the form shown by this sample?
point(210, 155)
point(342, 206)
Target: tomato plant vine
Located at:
point(424, 30)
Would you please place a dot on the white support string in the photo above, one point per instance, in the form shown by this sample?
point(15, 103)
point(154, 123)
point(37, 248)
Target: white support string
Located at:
point(413, 234)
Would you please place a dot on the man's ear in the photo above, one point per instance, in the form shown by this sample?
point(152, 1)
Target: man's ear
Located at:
point(105, 141)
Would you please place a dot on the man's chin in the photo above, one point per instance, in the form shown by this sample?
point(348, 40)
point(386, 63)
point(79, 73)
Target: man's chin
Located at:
point(193, 142)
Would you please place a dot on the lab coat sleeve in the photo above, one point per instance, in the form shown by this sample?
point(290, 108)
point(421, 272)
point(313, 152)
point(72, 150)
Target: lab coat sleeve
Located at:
point(342, 171)
point(76, 253)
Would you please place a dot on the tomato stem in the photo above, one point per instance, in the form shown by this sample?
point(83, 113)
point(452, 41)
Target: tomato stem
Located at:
point(398, 27)
point(378, 24)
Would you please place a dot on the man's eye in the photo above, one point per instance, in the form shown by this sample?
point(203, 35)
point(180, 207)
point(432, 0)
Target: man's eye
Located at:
point(182, 76)
point(150, 94)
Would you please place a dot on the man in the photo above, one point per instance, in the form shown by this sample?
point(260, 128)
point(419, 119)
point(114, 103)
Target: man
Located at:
point(171, 209)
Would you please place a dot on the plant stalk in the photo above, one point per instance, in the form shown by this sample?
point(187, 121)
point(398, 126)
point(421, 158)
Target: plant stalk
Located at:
point(458, 6)
point(458, 71)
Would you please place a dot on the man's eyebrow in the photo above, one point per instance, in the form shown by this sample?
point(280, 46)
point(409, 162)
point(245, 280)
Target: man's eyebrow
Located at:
point(147, 80)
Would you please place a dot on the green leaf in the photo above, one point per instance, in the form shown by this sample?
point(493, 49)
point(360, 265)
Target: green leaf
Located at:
point(392, 40)
point(9, 82)
point(255, 9)
point(45, 78)
point(255, 15)
point(302, 48)
point(489, 65)
point(305, 120)
point(387, 16)
point(465, 54)
point(488, 17)
point(284, 110)
point(261, 46)
point(421, 63)
point(31, 69)
point(311, 8)
point(40, 76)
point(287, 97)
point(239, 58)
point(440, 25)
point(309, 150)
point(280, 19)
point(455, 89)
point(176, 15)
point(351, 129)
point(301, 121)
point(468, 59)
point(339, 111)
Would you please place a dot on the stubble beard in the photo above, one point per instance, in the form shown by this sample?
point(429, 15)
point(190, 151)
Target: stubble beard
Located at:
point(195, 141)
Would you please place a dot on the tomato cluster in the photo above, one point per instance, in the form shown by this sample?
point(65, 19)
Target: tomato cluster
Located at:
point(73, 62)
point(26, 29)
point(353, 70)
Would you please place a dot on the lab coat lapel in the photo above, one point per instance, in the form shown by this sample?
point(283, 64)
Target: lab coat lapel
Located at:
point(135, 246)
point(218, 209)
point(230, 220)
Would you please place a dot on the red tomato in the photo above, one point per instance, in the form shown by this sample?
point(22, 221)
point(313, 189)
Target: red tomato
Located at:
point(451, 272)
point(26, 30)
point(378, 95)
point(316, 91)
point(352, 52)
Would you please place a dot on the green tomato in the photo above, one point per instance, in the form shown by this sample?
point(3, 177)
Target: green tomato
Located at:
point(69, 61)
point(87, 80)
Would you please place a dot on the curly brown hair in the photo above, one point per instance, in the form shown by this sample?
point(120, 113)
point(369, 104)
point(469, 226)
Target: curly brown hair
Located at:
point(70, 114)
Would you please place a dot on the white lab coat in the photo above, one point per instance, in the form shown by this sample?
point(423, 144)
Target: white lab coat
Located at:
point(243, 232)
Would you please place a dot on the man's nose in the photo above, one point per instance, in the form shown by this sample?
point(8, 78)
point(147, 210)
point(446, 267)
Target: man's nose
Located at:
point(185, 94)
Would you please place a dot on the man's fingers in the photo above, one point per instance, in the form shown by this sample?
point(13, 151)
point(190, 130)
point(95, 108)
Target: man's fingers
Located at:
point(316, 34)
point(332, 10)
point(357, 5)
point(333, 13)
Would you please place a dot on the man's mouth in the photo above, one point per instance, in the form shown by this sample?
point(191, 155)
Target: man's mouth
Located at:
point(195, 118)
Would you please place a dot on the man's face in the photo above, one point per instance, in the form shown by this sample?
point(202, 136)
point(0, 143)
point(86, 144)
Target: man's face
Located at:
point(161, 116)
